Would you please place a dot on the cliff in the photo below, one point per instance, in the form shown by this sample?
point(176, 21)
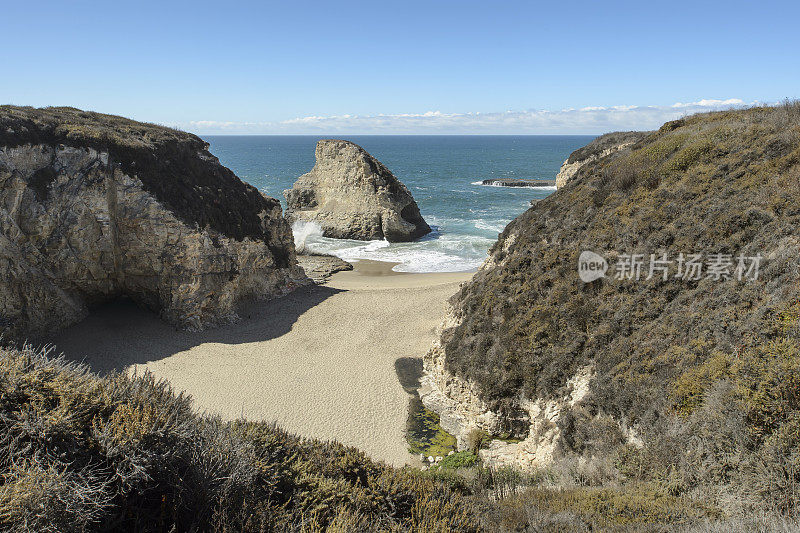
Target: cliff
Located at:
point(688, 373)
point(93, 207)
point(600, 147)
point(351, 195)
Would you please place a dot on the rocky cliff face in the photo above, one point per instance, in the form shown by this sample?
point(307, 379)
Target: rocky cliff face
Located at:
point(351, 195)
point(552, 365)
point(601, 147)
point(93, 207)
point(461, 412)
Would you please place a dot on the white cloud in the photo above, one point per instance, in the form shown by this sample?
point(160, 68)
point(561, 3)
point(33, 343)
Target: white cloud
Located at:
point(711, 103)
point(590, 120)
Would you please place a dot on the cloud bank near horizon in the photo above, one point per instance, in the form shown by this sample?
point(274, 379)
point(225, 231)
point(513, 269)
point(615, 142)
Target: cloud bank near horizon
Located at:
point(586, 120)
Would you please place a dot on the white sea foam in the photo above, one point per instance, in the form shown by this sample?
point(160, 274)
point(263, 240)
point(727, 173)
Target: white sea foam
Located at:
point(305, 231)
point(462, 246)
point(496, 227)
point(436, 253)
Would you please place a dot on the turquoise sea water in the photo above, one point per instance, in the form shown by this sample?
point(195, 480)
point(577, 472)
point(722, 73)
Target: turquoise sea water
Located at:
point(440, 172)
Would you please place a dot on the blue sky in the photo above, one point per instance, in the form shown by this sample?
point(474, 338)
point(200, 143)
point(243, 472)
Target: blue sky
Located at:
point(399, 67)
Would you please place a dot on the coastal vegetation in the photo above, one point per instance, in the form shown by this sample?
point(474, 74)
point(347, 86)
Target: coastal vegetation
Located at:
point(704, 369)
point(79, 452)
point(424, 434)
point(604, 142)
point(125, 453)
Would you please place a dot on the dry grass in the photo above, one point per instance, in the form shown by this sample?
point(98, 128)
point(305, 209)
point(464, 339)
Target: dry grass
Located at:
point(86, 453)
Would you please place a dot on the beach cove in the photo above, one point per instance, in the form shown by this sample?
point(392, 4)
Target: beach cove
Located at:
point(320, 362)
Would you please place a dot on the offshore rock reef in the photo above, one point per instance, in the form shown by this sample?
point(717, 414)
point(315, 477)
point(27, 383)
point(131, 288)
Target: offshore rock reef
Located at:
point(93, 207)
point(692, 379)
point(515, 182)
point(351, 195)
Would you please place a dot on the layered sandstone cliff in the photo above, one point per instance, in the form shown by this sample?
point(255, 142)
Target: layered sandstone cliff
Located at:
point(93, 207)
point(351, 195)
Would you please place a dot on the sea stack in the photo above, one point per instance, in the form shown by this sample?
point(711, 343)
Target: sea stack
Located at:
point(95, 207)
point(352, 195)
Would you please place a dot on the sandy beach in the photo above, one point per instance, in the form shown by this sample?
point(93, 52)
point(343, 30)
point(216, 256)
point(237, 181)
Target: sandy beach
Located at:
point(319, 362)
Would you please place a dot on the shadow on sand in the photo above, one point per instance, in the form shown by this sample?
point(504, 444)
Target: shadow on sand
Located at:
point(120, 333)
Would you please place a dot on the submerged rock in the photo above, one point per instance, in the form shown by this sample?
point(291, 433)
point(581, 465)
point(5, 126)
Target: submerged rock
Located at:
point(94, 207)
point(351, 195)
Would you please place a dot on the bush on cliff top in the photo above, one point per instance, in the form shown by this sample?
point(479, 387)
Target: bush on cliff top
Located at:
point(604, 142)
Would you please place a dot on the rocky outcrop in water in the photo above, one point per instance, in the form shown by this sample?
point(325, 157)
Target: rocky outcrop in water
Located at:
point(514, 182)
point(94, 207)
point(601, 147)
point(351, 195)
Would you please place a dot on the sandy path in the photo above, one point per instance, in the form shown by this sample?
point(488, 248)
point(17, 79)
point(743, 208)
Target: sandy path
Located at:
point(320, 361)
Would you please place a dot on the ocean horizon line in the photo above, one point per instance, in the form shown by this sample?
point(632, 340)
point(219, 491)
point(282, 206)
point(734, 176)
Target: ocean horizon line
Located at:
point(331, 135)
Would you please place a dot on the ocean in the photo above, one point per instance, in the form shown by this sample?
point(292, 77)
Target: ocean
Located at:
point(440, 171)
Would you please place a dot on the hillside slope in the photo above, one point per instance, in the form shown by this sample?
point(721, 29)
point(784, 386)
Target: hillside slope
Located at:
point(617, 364)
point(602, 146)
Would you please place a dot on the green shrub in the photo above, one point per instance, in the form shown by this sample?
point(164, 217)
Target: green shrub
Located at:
point(459, 460)
point(424, 434)
point(605, 509)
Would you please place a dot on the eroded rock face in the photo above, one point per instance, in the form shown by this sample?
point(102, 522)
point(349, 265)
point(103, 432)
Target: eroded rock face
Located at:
point(601, 147)
point(538, 437)
point(93, 207)
point(320, 267)
point(351, 195)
